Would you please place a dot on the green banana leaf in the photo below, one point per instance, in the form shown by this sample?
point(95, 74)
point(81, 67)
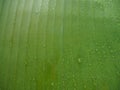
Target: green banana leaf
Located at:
point(59, 45)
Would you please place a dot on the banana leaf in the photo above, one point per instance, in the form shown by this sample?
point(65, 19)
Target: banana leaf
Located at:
point(59, 45)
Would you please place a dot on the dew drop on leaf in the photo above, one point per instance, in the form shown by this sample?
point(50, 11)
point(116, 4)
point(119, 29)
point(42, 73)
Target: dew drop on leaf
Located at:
point(79, 60)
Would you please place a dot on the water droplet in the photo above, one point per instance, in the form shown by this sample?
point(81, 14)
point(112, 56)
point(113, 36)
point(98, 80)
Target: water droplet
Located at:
point(118, 73)
point(90, 64)
point(94, 84)
point(73, 76)
point(109, 47)
point(96, 50)
point(111, 51)
point(35, 58)
point(104, 52)
point(52, 84)
point(33, 79)
point(97, 43)
point(85, 86)
point(79, 60)
point(113, 56)
point(75, 88)
point(26, 63)
point(44, 45)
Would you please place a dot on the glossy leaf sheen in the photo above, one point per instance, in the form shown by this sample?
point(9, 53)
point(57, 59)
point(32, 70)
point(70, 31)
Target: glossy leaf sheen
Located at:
point(59, 45)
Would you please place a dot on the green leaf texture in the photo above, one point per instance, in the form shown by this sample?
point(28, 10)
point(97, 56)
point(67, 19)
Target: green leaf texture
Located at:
point(59, 45)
